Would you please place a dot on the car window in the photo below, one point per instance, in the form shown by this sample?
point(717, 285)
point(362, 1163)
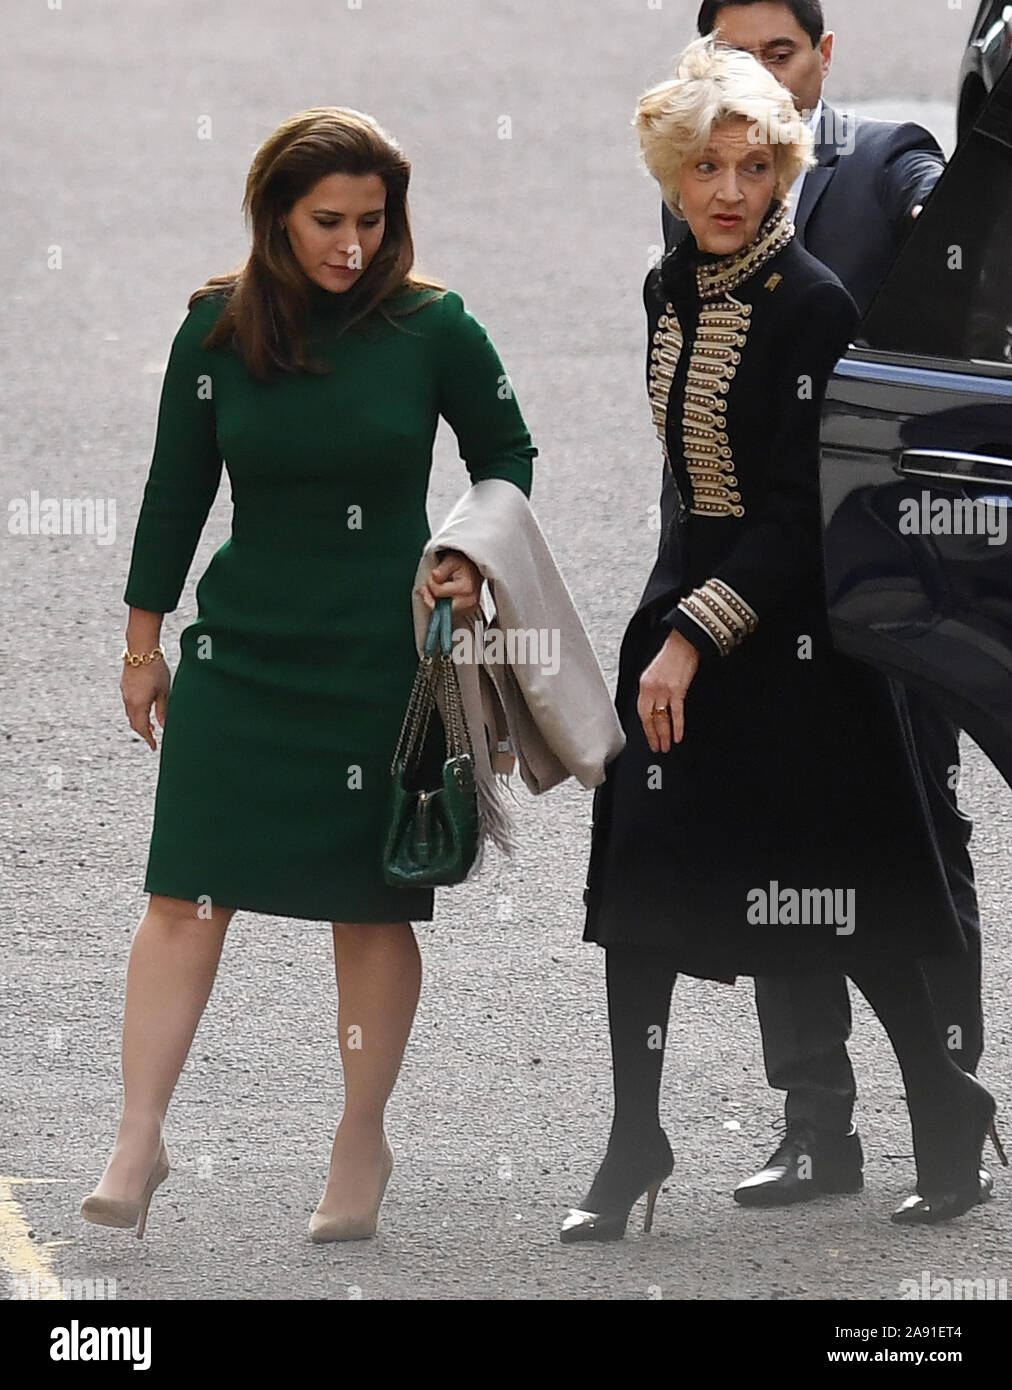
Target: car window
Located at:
point(949, 293)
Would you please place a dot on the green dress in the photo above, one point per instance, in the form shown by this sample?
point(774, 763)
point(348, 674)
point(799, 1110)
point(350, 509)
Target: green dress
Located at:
point(292, 682)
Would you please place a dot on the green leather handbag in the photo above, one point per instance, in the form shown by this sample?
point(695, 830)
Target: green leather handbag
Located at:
point(432, 837)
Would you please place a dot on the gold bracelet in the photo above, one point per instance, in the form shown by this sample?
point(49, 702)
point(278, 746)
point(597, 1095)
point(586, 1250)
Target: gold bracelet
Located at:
point(142, 659)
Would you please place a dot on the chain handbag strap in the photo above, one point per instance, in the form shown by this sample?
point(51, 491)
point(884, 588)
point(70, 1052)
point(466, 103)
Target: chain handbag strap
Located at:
point(458, 736)
point(417, 715)
point(436, 675)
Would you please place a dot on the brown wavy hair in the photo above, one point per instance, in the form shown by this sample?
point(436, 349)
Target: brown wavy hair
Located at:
point(268, 295)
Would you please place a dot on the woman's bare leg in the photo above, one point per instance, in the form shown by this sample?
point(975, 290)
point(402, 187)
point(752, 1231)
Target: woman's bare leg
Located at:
point(173, 962)
point(379, 972)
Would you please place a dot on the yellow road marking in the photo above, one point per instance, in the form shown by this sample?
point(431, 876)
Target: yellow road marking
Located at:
point(19, 1254)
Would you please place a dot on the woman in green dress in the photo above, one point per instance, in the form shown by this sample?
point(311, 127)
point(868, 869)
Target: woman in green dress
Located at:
point(317, 373)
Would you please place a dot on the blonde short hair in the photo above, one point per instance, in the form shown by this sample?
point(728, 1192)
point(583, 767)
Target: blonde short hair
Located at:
point(714, 83)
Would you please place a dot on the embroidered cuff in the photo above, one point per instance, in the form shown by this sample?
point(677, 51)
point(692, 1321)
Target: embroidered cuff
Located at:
point(721, 613)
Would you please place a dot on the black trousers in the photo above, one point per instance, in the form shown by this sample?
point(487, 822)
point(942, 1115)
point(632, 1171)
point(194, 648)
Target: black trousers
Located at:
point(806, 1020)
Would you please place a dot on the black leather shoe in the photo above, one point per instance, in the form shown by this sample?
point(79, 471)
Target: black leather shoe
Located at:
point(809, 1163)
point(912, 1210)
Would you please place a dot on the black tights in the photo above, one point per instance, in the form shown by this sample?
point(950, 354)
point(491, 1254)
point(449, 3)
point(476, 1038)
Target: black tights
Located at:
point(640, 980)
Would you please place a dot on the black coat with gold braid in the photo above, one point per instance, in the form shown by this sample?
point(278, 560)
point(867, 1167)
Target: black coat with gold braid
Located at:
point(790, 829)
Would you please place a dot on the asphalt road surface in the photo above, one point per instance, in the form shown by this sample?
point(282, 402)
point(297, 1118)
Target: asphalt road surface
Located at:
point(502, 1109)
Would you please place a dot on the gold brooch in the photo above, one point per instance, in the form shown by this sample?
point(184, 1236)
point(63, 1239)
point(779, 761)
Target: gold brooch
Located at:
point(772, 282)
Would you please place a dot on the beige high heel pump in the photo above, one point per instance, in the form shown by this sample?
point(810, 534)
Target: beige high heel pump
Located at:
point(116, 1211)
point(324, 1228)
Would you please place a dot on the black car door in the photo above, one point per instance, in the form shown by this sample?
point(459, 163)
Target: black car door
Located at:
point(917, 451)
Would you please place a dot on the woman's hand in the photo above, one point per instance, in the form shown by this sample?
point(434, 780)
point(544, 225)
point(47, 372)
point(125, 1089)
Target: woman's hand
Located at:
point(142, 687)
point(663, 687)
point(454, 577)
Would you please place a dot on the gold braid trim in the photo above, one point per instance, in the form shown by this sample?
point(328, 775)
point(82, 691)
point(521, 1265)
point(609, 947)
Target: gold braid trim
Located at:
point(664, 355)
point(716, 353)
point(716, 278)
point(721, 336)
point(721, 613)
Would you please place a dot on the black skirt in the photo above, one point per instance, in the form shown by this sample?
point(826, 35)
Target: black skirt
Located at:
point(789, 831)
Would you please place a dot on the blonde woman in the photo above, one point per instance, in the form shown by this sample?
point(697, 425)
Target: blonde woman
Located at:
point(318, 372)
point(767, 814)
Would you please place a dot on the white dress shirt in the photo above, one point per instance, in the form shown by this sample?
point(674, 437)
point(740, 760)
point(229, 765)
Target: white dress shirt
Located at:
point(794, 197)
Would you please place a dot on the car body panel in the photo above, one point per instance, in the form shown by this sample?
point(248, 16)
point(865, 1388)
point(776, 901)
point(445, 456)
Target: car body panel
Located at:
point(986, 58)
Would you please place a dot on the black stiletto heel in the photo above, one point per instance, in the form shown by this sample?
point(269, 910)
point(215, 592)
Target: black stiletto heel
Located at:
point(619, 1184)
point(992, 1134)
point(648, 1219)
point(948, 1147)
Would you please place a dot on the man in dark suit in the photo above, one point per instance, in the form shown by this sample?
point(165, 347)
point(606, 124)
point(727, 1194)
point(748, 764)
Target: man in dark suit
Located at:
point(872, 177)
point(853, 212)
